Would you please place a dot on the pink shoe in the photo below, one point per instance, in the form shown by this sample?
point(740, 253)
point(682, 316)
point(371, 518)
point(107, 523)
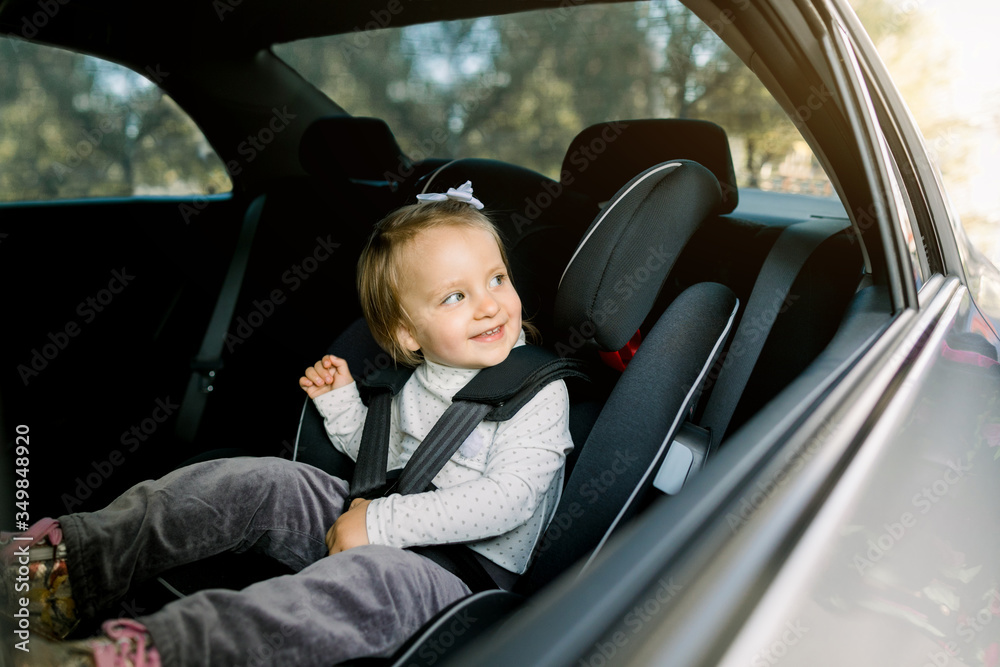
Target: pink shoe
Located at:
point(126, 643)
point(38, 557)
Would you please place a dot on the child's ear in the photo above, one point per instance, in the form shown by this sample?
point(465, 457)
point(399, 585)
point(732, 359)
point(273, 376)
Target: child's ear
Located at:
point(406, 339)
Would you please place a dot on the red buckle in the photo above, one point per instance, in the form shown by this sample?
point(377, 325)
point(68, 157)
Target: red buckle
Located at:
point(619, 359)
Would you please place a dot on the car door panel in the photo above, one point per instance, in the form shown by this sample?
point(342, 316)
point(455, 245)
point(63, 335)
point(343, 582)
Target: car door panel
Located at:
point(107, 301)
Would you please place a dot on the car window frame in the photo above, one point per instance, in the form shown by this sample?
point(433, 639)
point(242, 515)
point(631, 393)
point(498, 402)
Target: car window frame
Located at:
point(906, 178)
point(876, 158)
point(907, 144)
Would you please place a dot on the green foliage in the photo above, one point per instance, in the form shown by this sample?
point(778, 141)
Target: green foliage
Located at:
point(74, 126)
point(519, 87)
point(516, 88)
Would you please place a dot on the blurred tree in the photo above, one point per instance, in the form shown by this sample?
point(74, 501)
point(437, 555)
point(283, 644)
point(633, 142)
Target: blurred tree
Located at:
point(519, 87)
point(75, 126)
point(740, 103)
point(362, 72)
point(516, 87)
point(904, 34)
point(507, 87)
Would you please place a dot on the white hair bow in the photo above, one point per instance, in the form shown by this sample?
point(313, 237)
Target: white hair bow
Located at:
point(461, 193)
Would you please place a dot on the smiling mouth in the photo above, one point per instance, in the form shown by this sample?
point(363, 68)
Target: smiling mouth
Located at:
point(491, 334)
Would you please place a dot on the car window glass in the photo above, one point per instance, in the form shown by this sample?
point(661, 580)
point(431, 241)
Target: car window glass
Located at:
point(519, 87)
point(74, 126)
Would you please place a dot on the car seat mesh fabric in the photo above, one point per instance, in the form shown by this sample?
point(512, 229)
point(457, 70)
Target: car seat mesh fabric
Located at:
point(639, 420)
point(618, 269)
point(603, 157)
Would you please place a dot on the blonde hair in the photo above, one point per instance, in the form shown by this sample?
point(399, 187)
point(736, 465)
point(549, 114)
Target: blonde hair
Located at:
point(379, 266)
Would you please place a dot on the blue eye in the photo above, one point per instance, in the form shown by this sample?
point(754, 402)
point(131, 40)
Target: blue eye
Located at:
point(453, 298)
point(498, 280)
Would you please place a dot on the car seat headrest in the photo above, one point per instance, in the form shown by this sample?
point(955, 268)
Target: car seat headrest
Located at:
point(354, 147)
point(603, 157)
point(617, 270)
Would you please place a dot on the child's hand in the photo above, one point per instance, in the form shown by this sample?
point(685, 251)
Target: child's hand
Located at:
point(350, 529)
point(328, 373)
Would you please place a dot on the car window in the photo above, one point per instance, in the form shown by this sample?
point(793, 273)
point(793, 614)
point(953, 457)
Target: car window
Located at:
point(73, 126)
point(519, 87)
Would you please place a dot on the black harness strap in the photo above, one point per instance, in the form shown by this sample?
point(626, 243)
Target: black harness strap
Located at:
point(509, 385)
point(369, 479)
point(469, 566)
point(370, 469)
point(496, 393)
point(443, 440)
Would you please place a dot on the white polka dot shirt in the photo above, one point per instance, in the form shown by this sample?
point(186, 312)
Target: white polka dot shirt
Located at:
point(497, 493)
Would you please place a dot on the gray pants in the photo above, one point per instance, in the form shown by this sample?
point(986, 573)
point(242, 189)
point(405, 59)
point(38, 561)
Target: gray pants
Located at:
point(361, 602)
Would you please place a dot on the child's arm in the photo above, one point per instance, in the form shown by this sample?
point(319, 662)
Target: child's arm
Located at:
point(330, 385)
point(526, 458)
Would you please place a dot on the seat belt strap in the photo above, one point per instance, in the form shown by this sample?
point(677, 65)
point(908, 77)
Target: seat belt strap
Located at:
point(783, 264)
point(443, 440)
point(370, 479)
point(208, 361)
point(370, 467)
point(373, 453)
point(494, 394)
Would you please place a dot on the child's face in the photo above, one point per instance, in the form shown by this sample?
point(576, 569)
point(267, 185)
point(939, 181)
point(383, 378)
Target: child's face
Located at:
point(455, 289)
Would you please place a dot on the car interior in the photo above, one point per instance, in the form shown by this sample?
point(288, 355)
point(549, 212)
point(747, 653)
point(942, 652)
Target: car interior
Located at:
point(693, 302)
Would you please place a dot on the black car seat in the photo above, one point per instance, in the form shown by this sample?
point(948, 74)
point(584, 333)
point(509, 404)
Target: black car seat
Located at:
point(794, 276)
point(633, 242)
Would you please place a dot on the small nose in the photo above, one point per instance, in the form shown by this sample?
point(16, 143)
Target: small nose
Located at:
point(488, 306)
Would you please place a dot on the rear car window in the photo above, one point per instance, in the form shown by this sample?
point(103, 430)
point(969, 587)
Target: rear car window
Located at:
point(74, 126)
point(519, 87)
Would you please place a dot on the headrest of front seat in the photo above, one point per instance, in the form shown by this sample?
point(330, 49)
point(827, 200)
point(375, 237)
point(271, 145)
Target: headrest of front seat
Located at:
point(617, 270)
point(355, 147)
point(603, 157)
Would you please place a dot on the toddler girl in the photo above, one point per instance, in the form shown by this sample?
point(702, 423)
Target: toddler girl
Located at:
point(436, 293)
